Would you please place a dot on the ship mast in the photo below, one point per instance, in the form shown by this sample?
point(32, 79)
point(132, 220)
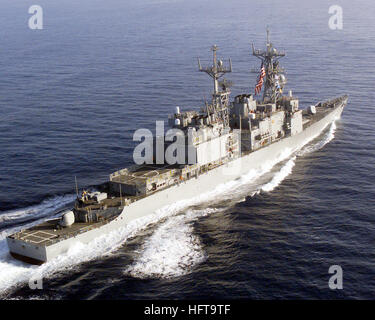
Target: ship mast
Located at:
point(274, 79)
point(220, 97)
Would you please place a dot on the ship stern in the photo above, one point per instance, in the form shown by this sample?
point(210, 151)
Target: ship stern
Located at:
point(27, 252)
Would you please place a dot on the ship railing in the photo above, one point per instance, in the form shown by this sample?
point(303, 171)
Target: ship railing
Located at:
point(331, 102)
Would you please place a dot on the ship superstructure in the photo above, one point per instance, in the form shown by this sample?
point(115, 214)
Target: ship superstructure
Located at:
point(208, 137)
point(244, 133)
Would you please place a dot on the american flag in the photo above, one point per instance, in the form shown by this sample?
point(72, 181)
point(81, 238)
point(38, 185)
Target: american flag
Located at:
point(259, 85)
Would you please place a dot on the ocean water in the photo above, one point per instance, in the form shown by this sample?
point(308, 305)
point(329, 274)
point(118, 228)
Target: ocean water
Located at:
point(72, 95)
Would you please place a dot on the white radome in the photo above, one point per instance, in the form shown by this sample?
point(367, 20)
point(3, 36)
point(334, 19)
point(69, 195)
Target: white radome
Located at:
point(67, 219)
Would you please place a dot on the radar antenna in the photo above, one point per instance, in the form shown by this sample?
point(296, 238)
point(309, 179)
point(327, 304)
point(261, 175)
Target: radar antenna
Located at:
point(275, 80)
point(220, 98)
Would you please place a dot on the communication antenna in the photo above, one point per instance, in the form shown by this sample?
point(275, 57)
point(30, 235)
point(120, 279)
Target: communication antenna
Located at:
point(217, 70)
point(75, 178)
point(220, 99)
point(269, 58)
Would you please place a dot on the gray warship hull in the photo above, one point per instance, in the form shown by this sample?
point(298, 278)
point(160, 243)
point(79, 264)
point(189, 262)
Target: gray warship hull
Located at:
point(34, 252)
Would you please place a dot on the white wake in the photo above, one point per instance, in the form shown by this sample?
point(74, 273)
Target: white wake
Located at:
point(36, 211)
point(173, 249)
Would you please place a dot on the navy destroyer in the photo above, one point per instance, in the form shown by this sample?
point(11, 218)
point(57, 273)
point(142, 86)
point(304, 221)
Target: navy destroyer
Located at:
point(224, 140)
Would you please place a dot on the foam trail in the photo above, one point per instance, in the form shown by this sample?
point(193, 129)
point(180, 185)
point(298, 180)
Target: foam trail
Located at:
point(328, 137)
point(172, 251)
point(43, 209)
point(285, 171)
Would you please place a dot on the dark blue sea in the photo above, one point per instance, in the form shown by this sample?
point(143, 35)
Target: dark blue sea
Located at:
point(73, 94)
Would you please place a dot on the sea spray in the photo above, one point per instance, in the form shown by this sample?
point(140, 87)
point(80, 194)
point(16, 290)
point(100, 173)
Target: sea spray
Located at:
point(172, 250)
